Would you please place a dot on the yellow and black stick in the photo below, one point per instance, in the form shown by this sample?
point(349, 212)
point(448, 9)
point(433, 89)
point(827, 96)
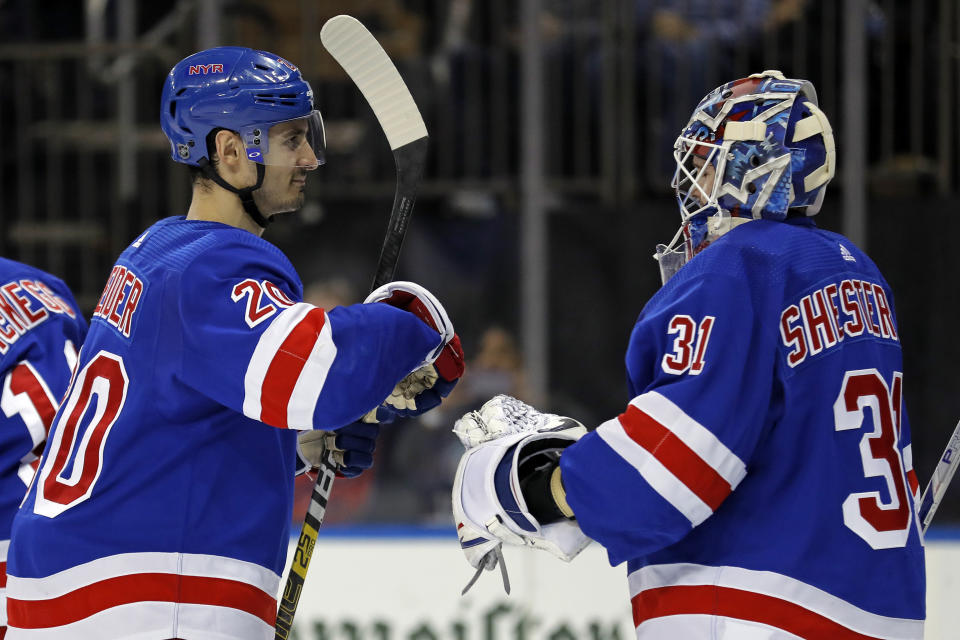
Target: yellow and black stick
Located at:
point(367, 64)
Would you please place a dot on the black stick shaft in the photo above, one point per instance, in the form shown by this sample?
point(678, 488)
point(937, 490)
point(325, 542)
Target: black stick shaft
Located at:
point(410, 159)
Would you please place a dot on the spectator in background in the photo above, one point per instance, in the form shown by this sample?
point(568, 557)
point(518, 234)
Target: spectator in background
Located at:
point(690, 45)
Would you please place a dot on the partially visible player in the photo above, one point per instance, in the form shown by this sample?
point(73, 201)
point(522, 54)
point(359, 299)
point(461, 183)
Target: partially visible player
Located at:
point(162, 504)
point(759, 484)
point(41, 329)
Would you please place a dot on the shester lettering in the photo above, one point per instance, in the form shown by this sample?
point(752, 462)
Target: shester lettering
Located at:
point(887, 327)
point(866, 290)
point(820, 327)
point(823, 318)
point(848, 301)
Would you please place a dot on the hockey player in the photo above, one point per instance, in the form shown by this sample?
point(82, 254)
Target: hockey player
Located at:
point(759, 483)
point(162, 503)
point(41, 329)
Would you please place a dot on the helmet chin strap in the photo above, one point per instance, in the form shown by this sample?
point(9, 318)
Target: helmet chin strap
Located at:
point(245, 194)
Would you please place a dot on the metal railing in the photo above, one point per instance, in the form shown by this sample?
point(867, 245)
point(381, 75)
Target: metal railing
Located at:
point(87, 165)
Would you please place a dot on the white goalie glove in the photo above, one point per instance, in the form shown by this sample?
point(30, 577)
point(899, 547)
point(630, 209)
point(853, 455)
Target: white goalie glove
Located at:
point(509, 443)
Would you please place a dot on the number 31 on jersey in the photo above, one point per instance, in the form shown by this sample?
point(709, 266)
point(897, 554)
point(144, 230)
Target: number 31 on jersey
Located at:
point(689, 346)
point(883, 524)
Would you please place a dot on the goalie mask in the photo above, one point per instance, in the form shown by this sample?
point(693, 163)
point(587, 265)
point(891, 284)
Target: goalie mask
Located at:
point(754, 148)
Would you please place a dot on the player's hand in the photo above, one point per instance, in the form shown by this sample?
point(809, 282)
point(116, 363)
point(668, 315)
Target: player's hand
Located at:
point(352, 448)
point(425, 387)
point(508, 443)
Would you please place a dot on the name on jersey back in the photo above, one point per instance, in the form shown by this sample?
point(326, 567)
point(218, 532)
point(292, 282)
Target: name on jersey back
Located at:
point(19, 313)
point(119, 299)
point(822, 319)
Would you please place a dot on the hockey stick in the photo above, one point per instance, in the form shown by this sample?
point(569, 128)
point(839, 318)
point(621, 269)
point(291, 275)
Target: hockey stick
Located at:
point(368, 65)
point(939, 481)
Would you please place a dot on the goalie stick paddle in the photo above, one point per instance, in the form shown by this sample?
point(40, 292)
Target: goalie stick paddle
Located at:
point(939, 481)
point(367, 64)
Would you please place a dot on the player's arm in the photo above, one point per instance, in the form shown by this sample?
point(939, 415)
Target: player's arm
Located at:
point(645, 478)
point(251, 345)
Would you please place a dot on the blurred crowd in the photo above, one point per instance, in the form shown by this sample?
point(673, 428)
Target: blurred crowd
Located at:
point(621, 79)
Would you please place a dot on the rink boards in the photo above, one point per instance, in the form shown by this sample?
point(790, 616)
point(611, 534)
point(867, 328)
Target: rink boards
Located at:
point(404, 584)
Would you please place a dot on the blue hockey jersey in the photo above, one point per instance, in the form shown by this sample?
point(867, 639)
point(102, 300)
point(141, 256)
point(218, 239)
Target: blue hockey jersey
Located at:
point(162, 503)
point(760, 483)
point(41, 329)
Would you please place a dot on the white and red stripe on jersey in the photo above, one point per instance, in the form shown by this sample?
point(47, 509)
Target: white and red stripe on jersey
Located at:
point(4, 546)
point(217, 348)
point(288, 368)
point(730, 603)
point(911, 473)
point(168, 594)
point(36, 363)
point(681, 459)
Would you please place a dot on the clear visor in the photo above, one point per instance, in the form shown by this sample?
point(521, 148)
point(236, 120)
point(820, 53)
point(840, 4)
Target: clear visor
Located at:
point(299, 142)
point(695, 183)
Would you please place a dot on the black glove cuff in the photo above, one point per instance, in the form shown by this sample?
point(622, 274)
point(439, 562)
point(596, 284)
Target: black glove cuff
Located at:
point(535, 487)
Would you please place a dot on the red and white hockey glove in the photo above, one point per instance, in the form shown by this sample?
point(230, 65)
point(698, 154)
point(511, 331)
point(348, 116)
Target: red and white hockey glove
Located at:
point(352, 448)
point(509, 446)
point(434, 379)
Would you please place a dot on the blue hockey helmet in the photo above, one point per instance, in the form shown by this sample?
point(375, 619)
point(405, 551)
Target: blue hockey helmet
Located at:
point(754, 148)
point(242, 90)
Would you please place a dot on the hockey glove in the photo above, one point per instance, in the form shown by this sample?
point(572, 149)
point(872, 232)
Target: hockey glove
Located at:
point(425, 387)
point(511, 462)
point(352, 448)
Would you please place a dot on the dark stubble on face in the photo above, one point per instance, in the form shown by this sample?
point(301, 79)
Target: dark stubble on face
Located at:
point(272, 200)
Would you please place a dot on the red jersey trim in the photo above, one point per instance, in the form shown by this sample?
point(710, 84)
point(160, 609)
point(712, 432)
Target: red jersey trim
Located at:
point(739, 604)
point(163, 587)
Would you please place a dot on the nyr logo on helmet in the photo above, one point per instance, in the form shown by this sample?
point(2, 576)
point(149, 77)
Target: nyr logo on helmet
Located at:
point(286, 64)
point(204, 69)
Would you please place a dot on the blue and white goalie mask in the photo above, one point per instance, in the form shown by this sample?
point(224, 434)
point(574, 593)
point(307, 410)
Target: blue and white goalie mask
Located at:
point(754, 148)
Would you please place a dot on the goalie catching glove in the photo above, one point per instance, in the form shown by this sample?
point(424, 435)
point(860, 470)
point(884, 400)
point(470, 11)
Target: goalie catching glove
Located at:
point(433, 380)
point(508, 487)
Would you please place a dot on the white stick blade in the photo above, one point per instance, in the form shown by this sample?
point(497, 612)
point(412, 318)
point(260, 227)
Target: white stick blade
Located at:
point(370, 68)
